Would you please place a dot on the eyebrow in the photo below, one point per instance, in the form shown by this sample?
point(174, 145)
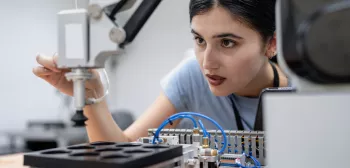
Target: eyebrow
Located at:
point(220, 35)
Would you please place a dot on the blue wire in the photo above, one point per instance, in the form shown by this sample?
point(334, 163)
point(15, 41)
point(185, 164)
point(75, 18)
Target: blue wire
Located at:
point(205, 133)
point(231, 165)
point(234, 165)
point(198, 115)
point(166, 122)
point(189, 117)
point(256, 162)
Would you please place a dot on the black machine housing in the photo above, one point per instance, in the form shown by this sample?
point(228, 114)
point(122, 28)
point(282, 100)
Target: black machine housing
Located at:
point(315, 39)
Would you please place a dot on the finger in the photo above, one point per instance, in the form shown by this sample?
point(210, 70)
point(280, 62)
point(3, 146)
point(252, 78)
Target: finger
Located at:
point(47, 62)
point(42, 71)
point(95, 74)
point(55, 60)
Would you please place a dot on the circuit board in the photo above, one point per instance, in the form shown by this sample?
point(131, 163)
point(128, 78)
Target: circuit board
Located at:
point(248, 142)
point(104, 154)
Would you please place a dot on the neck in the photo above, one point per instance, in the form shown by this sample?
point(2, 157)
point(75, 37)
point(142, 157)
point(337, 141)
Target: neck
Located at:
point(264, 79)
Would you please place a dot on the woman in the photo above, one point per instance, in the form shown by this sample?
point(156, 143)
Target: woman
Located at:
point(234, 41)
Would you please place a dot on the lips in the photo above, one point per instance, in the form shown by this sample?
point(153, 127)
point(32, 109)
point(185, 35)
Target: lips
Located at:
point(215, 80)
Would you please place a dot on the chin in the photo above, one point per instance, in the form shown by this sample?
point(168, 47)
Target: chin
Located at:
point(217, 91)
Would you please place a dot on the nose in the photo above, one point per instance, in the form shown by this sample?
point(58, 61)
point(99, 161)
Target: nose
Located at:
point(210, 61)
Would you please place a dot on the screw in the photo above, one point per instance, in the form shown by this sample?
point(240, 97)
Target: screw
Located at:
point(117, 35)
point(95, 11)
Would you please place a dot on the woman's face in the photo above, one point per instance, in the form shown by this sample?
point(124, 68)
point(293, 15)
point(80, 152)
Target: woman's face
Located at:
point(230, 53)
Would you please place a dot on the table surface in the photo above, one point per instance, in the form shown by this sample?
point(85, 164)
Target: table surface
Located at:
point(12, 161)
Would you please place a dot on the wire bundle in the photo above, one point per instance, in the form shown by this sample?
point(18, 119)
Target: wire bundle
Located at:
point(189, 115)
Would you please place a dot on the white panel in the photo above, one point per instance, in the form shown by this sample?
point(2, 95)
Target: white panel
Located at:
point(74, 41)
point(307, 130)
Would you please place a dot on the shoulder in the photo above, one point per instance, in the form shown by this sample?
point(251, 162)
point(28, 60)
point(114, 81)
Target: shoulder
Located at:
point(182, 84)
point(187, 72)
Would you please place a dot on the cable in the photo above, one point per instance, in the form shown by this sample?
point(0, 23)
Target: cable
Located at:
point(214, 122)
point(205, 133)
point(170, 119)
point(198, 115)
point(189, 117)
point(98, 100)
point(166, 122)
point(234, 165)
point(256, 162)
point(231, 165)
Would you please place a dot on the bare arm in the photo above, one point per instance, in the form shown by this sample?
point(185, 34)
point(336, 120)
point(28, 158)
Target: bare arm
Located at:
point(101, 126)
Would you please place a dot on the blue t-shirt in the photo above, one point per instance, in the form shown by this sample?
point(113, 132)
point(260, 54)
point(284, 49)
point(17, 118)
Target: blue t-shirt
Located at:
point(187, 89)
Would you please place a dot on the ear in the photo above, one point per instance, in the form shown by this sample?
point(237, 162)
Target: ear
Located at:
point(271, 47)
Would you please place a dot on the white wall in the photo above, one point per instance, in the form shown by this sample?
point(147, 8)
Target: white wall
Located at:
point(158, 47)
point(28, 27)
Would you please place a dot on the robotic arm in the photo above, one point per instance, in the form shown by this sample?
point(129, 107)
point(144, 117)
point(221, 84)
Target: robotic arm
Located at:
point(87, 37)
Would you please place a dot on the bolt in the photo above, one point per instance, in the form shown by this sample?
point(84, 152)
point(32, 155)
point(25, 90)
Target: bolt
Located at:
point(95, 11)
point(117, 35)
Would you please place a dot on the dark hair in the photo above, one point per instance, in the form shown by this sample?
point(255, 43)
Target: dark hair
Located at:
point(258, 14)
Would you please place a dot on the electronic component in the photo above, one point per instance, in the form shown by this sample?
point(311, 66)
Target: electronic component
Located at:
point(232, 159)
point(249, 142)
point(165, 140)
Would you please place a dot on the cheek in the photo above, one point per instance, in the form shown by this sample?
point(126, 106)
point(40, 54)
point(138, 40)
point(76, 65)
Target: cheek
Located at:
point(244, 65)
point(252, 61)
point(243, 60)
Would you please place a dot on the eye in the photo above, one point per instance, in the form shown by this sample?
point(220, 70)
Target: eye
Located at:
point(200, 41)
point(227, 43)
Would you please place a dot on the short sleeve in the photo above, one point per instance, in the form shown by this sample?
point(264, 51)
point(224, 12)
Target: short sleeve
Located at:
point(176, 85)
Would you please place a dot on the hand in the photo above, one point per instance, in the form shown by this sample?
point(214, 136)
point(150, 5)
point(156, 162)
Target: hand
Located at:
point(56, 77)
